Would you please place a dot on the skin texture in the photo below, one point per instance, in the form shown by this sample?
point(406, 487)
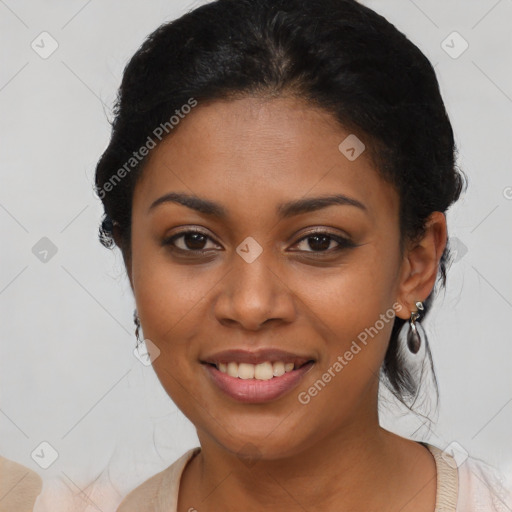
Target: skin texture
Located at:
point(19, 487)
point(250, 155)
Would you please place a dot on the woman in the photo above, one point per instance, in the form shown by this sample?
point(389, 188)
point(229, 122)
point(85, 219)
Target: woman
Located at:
point(277, 181)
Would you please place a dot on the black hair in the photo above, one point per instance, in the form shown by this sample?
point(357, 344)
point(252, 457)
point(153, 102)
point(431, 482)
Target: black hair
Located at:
point(337, 55)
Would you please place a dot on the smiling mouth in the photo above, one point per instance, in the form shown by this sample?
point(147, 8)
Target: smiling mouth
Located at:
point(257, 383)
point(262, 371)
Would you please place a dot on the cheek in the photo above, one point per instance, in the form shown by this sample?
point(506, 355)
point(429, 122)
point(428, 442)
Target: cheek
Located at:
point(166, 299)
point(355, 315)
point(167, 294)
point(353, 312)
point(349, 298)
point(170, 302)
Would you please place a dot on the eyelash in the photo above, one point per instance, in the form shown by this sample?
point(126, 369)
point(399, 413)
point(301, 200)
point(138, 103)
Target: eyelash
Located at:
point(344, 243)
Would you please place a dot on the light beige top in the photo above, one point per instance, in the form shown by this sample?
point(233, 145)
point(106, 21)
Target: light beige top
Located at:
point(19, 487)
point(469, 487)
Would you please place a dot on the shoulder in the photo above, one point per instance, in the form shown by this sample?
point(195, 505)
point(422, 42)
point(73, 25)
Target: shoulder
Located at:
point(19, 486)
point(468, 484)
point(483, 488)
point(160, 492)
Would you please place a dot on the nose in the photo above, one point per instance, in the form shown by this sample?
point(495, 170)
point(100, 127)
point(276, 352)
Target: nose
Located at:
point(253, 294)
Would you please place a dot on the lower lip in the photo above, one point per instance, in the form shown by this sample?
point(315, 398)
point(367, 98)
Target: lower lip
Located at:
point(254, 390)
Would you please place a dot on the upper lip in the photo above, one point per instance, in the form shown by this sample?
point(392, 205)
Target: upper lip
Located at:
point(256, 356)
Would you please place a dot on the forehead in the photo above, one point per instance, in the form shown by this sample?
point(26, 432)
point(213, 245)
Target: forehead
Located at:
point(250, 154)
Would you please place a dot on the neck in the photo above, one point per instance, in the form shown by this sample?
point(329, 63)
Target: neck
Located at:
point(341, 471)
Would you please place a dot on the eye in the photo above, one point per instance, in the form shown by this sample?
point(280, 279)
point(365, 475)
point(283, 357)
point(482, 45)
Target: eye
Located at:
point(196, 242)
point(321, 242)
point(192, 240)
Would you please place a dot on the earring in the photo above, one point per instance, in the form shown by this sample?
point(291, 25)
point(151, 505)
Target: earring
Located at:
point(136, 321)
point(411, 344)
point(414, 336)
point(414, 358)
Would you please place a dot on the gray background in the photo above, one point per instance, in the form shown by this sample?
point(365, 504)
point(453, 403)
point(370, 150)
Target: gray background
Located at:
point(68, 374)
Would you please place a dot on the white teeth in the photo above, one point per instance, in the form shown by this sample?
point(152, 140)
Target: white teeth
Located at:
point(278, 369)
point(232, 369)
point(262, 371)
point(246, 371)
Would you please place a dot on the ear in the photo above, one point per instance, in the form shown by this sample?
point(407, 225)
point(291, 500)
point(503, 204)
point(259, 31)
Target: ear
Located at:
point(420, 265)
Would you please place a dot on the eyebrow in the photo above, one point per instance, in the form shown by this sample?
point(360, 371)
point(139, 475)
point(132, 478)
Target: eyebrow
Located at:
point(284, 210)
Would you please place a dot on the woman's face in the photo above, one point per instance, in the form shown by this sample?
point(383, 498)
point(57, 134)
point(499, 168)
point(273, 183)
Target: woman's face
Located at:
point(257, 282)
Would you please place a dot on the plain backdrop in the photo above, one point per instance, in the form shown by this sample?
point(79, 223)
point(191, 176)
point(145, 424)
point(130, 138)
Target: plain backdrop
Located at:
point(68, 376)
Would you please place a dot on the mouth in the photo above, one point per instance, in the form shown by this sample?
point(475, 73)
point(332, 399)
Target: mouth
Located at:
point(262, 371)
point(256, 377)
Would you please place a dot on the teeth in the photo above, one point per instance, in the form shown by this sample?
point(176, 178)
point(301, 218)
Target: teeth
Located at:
point(246, 371)
point(278, 369)
point(232, 370)
point(262, 371)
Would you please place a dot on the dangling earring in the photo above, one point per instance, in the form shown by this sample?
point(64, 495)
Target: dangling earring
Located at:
point(414, 357)
point(412, 340)
point(136, 321)
point(414, 336)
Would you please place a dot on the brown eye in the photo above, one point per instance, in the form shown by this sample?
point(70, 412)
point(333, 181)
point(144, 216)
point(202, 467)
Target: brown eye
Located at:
point(323, 242)
point(189, 241)
point(319, 242)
